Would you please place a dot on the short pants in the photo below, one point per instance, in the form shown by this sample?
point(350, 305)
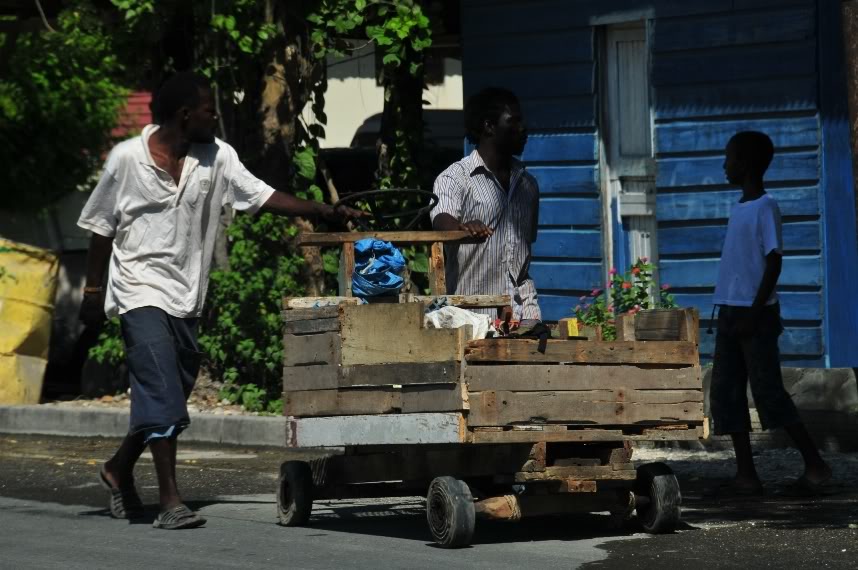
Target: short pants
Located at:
point(163, 361)
point(740, 359)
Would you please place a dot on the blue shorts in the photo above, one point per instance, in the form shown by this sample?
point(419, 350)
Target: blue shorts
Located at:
point(163, 361)
point(755, 359)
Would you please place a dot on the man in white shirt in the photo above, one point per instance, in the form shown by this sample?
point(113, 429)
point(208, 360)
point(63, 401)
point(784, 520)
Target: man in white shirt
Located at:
point(746, 346)
point(154, 219)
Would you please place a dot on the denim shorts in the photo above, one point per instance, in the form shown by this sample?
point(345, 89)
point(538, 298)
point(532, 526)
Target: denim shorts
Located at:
point(754, 358)
point(163, 361)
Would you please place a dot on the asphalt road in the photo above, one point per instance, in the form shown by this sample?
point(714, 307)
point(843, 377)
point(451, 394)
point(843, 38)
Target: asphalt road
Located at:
point(52, 515)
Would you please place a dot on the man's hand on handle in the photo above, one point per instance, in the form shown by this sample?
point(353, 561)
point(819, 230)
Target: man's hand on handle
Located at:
point(342, 214)
point(477, 229)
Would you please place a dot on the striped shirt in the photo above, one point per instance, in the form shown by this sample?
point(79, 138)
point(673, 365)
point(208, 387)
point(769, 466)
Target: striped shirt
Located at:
point(469, 191)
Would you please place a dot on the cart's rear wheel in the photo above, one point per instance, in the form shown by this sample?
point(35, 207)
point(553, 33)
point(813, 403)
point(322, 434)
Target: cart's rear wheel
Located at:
point(295, 493)
point(450, 512)
point(659, 498)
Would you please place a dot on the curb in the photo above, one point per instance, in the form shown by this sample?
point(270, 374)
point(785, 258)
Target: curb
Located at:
point(89, 422)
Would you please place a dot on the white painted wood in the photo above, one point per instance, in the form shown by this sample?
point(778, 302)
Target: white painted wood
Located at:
point(391, 429)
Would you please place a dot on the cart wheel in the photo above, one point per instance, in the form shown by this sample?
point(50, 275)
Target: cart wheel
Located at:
point(659, 498)
point(295, 493)
point(450, 512)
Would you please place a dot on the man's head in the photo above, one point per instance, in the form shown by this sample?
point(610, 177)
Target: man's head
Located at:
point(749, 154)
point(493, 116)
point(186, 102)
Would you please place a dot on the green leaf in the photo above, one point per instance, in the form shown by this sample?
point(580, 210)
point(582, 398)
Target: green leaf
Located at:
point(360, 4)
point(305, 161)
point(316, 193)
point(391, 59)
point(420, 263)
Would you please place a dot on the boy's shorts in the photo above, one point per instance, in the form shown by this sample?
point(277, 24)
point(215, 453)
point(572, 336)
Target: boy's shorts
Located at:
point(740, 359)
point(163, 361)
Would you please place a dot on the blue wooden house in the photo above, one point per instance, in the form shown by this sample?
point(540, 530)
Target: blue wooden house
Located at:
point(630, 104)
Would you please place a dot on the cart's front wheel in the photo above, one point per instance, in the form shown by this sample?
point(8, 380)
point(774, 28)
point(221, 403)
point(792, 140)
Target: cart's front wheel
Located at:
point(295, 493)
point(658, 498)
point(450, 512)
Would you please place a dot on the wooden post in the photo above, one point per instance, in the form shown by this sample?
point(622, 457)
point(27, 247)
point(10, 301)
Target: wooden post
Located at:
point(437, 278)
point(347, 267)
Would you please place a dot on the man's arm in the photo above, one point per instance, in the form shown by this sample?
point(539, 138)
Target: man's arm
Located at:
point(447, 223)
point(92, 307)
point(288, 205)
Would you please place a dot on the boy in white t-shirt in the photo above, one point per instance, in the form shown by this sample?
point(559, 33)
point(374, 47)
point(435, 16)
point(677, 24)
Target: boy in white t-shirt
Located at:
point(746, 346)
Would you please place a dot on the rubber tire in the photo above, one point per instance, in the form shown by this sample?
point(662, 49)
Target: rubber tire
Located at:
point(657, 482)
point(450, 512)
point(295, 493)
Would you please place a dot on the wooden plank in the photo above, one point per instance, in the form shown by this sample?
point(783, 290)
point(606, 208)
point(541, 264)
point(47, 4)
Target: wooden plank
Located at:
point(321, 348)
point(794, 341)
point(315, 403)
point(296, 303)
point(578, 179)
point(732, 29)
point(561, 147)
point(566, 79)
point(689, 326)
point(591, 473)
point(478, 435)
point(804, 270)
point(463, 301)
point(403, 374)
point(582, 352)
point(378, 334)
point(795, 305)
point(504, 407)
point(574, 111)
point(659, 324)
point(410, 237)
point(290, 315)
point(579, 244)
point(561, 274)
point(709, 205)
point(679, 240)
point(569, 211)
point(311, 326)
point(397, 429)
point(702, 136)
point(543, 49)
point(797, 93)
point(346, 269)
point(434, 398)
point(539, 377)
point(616, 395)
point(733, 64)
point(437, 278)
point(708, 171)
point(321, 377)
point(625, 325)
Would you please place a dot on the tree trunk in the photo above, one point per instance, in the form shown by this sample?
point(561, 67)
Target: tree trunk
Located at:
point(287, 86)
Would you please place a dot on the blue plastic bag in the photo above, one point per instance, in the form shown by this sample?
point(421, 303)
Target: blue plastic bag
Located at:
point(378, 268)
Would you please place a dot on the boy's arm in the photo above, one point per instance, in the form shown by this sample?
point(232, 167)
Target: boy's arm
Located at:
point(92, 307)
point(774, 262)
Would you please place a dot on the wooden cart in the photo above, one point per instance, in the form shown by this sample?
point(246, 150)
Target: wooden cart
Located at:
point(485, 428)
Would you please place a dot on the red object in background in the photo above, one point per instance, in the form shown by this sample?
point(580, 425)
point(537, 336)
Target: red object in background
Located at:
point(134, 116)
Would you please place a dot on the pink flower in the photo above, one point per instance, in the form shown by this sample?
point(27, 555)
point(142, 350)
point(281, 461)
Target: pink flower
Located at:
point(665, 287)
point(577, 308)
point(637, 307)
point(636, 270)
point(582, 298)
point(644, 259)
point(612, 271)
point(627, 285)
point(610, 308)
point(596, 292)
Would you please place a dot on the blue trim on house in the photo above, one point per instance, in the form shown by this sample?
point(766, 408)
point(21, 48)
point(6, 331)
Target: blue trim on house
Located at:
point(838, 205)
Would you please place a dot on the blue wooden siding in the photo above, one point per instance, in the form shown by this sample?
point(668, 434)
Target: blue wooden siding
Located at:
point(714, 76)
point(717, 67)
point(553, 73)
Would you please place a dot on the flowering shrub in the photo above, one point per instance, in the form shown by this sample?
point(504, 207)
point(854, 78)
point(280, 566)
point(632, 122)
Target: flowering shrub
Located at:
point(629, 293)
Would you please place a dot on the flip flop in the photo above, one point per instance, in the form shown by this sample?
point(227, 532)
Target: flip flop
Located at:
point(178, 518)
point(124, 503)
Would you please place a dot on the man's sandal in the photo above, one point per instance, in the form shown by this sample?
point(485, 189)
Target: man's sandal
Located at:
point(124, 503)
point(178, 518)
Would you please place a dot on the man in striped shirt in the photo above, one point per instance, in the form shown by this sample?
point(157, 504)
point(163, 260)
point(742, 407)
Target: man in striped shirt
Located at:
point(489, 194)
